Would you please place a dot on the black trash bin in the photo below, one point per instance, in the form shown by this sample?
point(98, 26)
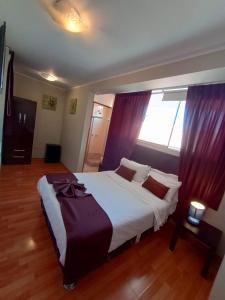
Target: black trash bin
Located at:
point(52, 153)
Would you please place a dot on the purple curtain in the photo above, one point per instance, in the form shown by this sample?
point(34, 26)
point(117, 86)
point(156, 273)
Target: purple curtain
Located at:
point(202, 161)
point(127, 117)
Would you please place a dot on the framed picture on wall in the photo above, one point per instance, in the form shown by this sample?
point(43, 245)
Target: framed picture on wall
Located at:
point(73, 106)
point(49, 102)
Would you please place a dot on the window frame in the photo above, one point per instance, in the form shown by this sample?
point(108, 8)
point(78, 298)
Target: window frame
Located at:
point(158, 147)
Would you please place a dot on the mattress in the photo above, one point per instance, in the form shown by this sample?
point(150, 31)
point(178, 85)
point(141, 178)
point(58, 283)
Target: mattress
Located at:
point(131, 208)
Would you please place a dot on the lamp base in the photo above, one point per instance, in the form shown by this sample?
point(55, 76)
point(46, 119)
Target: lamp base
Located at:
point(193, 221)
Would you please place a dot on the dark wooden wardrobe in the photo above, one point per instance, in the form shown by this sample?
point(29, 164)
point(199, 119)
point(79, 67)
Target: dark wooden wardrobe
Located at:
point(18, 132)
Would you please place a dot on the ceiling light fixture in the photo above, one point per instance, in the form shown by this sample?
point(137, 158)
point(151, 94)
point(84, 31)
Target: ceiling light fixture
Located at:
point(49, 77)
point(65, 14)
point(73, 21)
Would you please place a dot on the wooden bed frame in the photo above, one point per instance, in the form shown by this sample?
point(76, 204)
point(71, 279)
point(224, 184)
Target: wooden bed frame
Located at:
point(112, 254)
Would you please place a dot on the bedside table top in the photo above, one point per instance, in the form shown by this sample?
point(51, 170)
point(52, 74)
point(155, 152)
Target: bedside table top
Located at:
point(205, 232)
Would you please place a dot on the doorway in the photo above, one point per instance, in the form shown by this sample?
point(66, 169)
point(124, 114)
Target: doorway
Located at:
point(98, 132)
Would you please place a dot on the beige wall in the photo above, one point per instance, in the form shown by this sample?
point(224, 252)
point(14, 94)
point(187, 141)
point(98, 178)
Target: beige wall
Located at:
point(217, 218)
point(48, 125)
point(73, 137)
point(218, 289)
point(2, 98)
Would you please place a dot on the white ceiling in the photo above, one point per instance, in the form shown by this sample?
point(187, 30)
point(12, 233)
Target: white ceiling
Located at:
point(124, 35)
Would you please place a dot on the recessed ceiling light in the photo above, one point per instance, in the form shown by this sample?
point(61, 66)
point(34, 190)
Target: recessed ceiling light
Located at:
point(49, 77)
point(65, 14)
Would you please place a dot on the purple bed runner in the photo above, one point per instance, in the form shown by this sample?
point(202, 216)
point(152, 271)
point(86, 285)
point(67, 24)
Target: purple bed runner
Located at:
point(88, 227)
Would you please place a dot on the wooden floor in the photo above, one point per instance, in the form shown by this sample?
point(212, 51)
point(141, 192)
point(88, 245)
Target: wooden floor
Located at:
point(29, 268)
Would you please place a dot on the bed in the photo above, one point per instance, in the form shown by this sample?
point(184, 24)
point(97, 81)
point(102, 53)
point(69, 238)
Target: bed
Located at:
point(131, 209)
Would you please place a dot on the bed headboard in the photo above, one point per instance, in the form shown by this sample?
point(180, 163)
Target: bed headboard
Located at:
point(159, 160)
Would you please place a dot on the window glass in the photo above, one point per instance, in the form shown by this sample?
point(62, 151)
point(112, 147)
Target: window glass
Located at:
point(163, 123)
point(176, 137)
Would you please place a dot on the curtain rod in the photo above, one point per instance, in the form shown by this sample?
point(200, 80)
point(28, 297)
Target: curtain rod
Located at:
point(183, 87)
point(174, 89)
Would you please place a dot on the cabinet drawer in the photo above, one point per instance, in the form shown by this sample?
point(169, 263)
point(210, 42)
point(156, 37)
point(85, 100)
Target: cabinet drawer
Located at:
point(17, 156)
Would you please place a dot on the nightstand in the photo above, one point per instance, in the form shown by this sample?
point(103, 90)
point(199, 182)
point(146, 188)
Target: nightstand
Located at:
point(206, 234)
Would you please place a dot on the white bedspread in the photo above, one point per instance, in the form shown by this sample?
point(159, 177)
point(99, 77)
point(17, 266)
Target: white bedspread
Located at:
point(131, 208)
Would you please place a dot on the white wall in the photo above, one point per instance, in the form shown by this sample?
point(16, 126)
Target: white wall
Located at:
point(217, 219)
point(2, 98)
point(48, 125)
point(218, 289)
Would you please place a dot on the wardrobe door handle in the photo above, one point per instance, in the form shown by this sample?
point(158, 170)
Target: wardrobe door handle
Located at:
point(24, 118)
point(20, 117)
point(18, 150)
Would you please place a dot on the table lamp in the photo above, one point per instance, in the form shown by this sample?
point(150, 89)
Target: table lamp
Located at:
point(196, 212)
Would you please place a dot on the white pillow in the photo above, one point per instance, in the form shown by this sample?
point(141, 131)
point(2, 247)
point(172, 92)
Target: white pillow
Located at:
point(168, 175)
point(141, 170)
point(169, 180)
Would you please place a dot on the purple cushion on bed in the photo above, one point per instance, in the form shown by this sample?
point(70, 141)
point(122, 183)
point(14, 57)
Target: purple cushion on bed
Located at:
point(126, 173)
point(155, 187)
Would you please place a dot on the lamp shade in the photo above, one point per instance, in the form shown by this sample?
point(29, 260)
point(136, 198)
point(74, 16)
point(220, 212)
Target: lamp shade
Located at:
point(196, 212)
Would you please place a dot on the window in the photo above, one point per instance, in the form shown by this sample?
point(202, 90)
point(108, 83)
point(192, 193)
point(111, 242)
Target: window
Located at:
point(163, 122)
